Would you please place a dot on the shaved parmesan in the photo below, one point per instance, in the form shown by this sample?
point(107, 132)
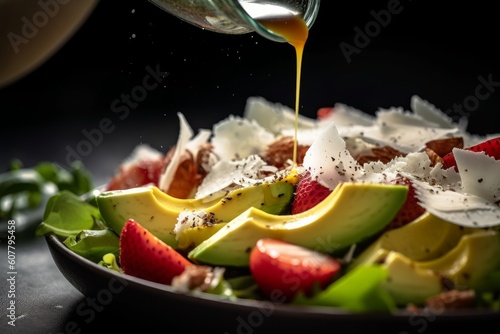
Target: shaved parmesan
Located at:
point(329, 161)
point(467, 198)
point(456, 207)
point(403, 137)
point(429, 112)
point(274, 117)
point(344, 115)
point(480, 174)
point(185, 135)
point(228, 175)
point(236, 138)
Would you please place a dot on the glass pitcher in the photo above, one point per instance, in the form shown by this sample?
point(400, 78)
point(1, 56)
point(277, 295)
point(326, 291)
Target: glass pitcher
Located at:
point(239, 16)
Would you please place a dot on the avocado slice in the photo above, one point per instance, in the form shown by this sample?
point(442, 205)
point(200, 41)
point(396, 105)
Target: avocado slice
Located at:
point(426, 238)
point(350, 214)
point(158, 212)
point(471, 261)
point(273, 198)
point(408, 283)
point(466, 266)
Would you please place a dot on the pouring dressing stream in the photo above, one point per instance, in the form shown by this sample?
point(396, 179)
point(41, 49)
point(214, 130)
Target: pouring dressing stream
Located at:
point(278, 20)
point(295, 31)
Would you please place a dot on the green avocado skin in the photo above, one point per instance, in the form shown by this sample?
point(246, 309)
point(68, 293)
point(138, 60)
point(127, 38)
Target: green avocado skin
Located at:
point(352, 213)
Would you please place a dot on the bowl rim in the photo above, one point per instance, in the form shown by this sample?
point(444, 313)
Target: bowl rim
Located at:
point(56, 245)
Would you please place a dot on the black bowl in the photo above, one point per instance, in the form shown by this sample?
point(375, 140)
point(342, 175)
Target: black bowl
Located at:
point(160, 305)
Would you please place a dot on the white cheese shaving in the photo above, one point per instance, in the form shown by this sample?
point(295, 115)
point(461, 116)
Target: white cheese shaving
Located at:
point(456, 207)
point(406, 131)
point(469, 198)
point(403, 137)
point(189, 219)
point(185, 141)
point(480, 174)
point(429, 112)
point(461, 198)
point(274, 117)
point(413, 165)
point(345, 116)
point(228, 175)
point(236, 138)
point(185, 134)
point(329, 161)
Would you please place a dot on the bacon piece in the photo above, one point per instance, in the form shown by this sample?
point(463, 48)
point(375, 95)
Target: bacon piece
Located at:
point(383, 154)
point(444, 146)
point(452, 300)
point(280, 152)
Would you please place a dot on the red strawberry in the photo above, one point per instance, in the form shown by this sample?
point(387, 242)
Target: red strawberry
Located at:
point(283, 269)
point(410, 210)
point(490, 147)
point(308, 193)
point(145, 256)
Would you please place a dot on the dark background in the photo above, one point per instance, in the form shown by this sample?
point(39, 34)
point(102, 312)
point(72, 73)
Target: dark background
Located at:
point(436, 52)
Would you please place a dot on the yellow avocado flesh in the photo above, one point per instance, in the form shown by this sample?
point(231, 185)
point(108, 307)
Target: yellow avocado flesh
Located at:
point(189, 238)
point(408, 284)
point(466, 266)
point(273, 198)
point(469, 263)
point(350, 214)
point(425, 238)
point(158, 211)
point(149, 206)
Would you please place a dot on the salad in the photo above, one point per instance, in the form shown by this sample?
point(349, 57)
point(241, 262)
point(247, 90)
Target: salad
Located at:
point(374, 213)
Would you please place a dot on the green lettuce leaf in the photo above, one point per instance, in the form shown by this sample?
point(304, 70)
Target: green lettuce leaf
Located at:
point(66, 215)
point(94, 244)
point(358, 290)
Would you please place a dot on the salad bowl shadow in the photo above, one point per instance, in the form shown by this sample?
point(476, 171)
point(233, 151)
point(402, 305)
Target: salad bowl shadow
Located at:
point(134, 299)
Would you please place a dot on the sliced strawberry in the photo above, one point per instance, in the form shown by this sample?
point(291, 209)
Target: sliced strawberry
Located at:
point(139, 174)
point(410, 210)
point(490, 147)
point(281, 269)
point(308, 193)
point(145, 256)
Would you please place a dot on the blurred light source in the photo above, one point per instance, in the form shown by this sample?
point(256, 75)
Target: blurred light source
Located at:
point(33, 30)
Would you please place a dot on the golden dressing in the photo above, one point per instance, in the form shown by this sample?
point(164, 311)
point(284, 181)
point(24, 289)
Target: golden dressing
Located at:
point(295, 31)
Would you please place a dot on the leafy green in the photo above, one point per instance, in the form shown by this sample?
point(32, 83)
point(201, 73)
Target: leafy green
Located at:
point(19, 189)
point(245, 287)
point(358, 290)
point(76, 179)
point(79, 224)
point(66, 215)
point(94, 244)
point(223, 289)
point(110, 261)
point(26, 189)
point(490, 299)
